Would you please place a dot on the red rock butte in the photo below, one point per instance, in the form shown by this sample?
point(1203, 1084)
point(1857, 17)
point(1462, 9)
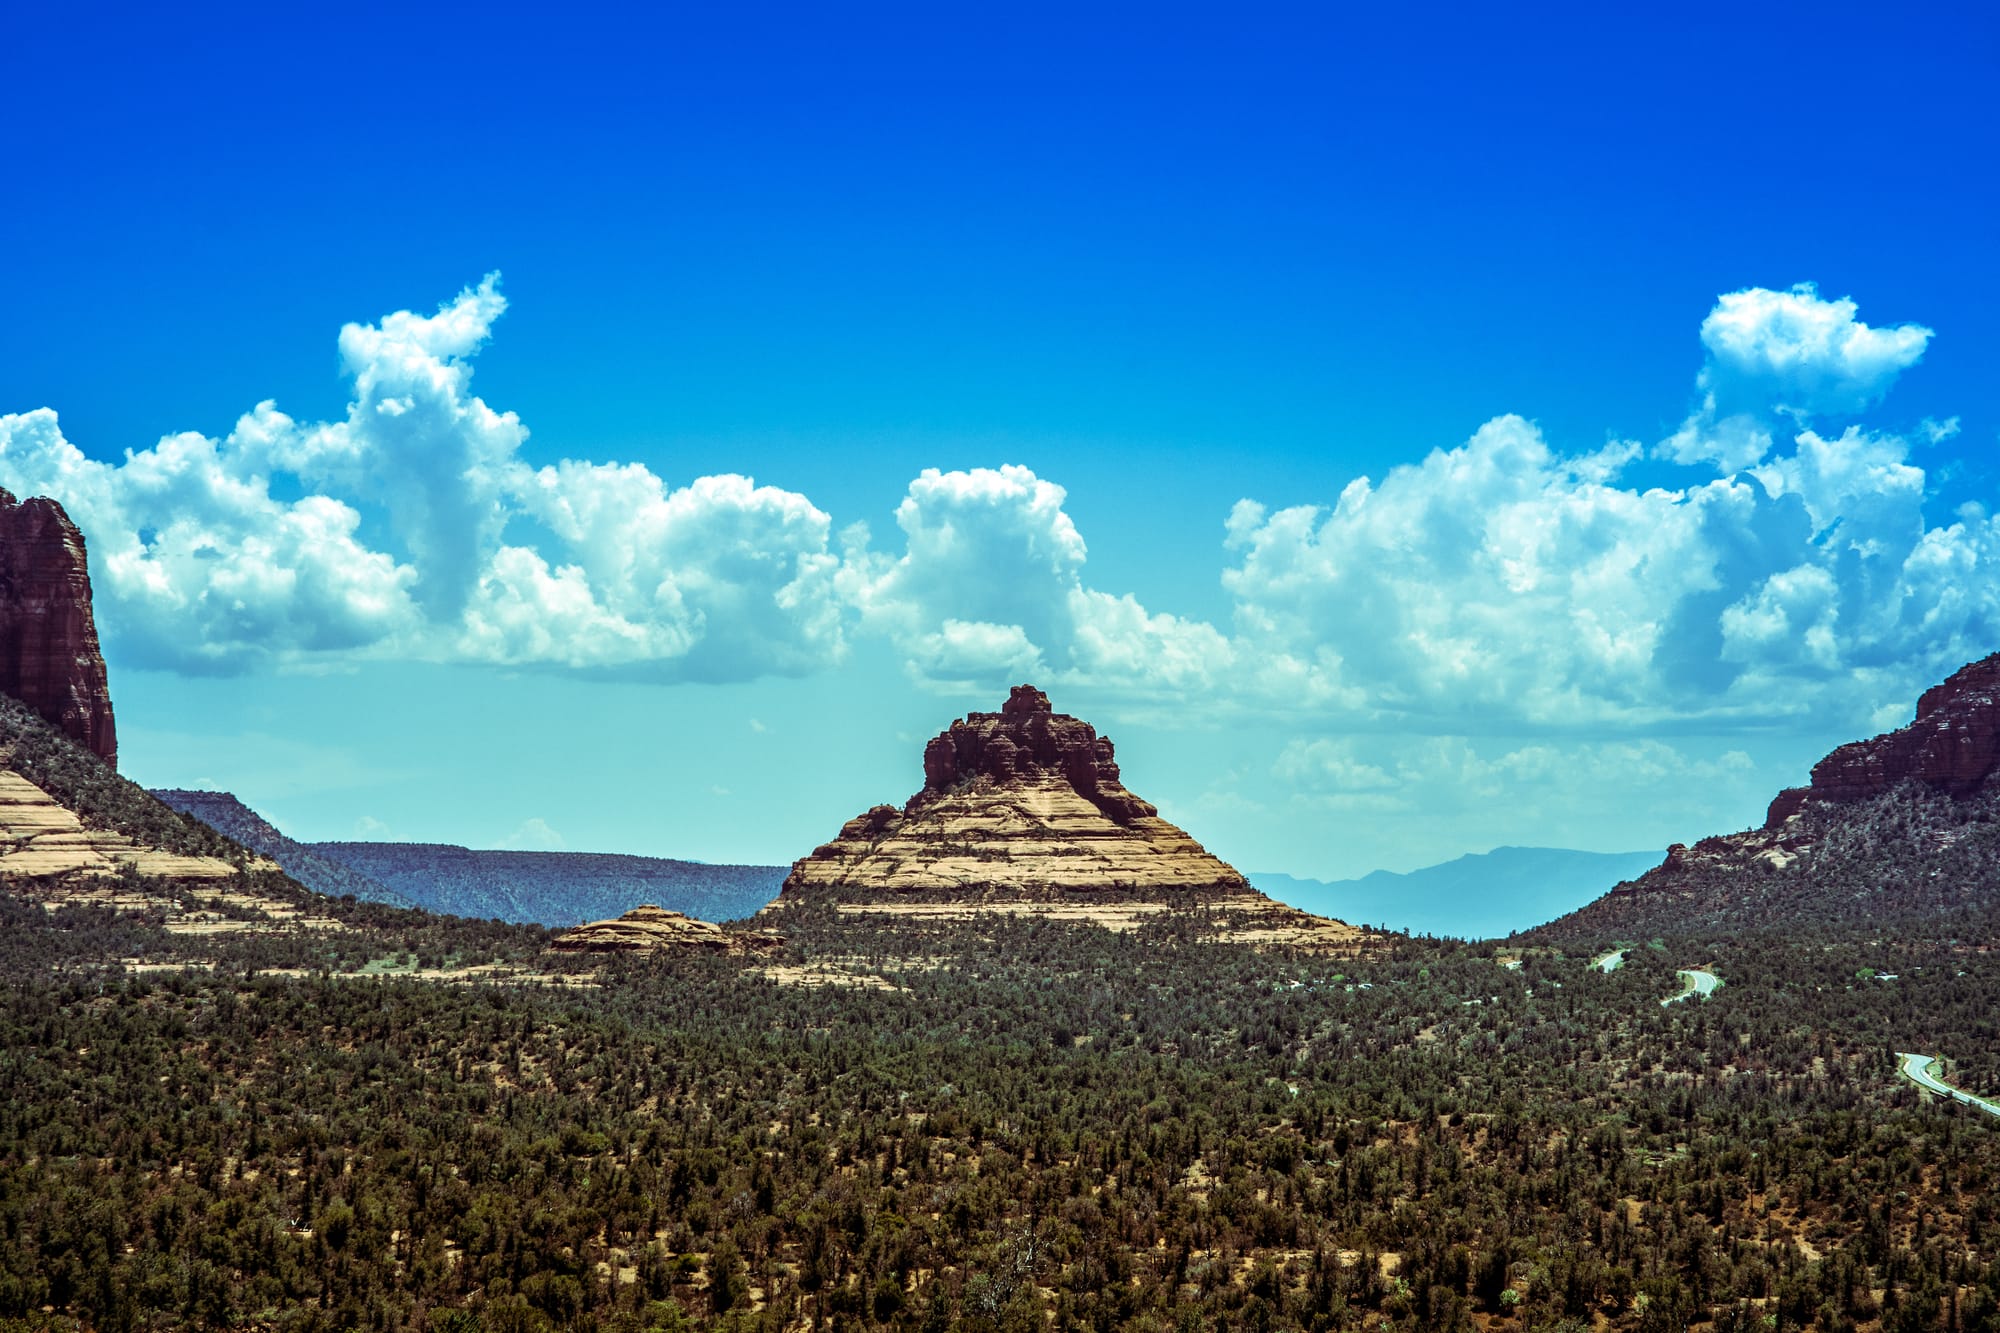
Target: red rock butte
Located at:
point(49, 656)
point(1953, 745)
point(1024, 812)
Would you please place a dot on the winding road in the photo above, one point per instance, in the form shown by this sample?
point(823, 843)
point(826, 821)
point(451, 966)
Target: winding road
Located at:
point(1917, 1069)
point(1694, 981)
point(1610, 962)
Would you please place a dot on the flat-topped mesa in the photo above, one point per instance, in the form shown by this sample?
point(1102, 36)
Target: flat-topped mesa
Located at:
point(49, 655)
point(1027, 742)
point(1953, 746)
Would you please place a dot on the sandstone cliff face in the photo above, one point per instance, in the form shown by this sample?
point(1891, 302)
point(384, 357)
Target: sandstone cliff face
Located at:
point(49, 656)
point(650, 929)
point(1024, 811)
point(1954, 746)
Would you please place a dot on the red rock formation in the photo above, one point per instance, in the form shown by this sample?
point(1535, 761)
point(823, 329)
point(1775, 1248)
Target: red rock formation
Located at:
point(49, 657)
point(1023, 811)
point(1024, 741)
point(1954, 745)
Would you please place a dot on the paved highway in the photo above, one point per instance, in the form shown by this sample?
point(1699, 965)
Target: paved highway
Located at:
point(1917, 1069)
point(1694, 981)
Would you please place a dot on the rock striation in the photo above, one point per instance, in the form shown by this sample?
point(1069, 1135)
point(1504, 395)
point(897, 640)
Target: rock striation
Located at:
point(49, 655)
point(650, 929)
point(39, 836)
point(1024, 811)
point(1953, 746)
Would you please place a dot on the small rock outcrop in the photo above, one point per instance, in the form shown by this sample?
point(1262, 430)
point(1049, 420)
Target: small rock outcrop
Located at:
point(1954, 746)
point(49, 655)
point(650, 929)
point(1024, 812)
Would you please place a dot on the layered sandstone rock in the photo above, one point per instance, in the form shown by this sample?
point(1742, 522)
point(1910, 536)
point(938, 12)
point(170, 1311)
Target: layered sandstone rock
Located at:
point(650, 929)
point(1954, 746)
point(38, 836)
point(49, 656)
point(1024, 811)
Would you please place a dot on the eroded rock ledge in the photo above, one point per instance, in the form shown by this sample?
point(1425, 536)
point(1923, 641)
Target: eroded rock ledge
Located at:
point(1953, 745)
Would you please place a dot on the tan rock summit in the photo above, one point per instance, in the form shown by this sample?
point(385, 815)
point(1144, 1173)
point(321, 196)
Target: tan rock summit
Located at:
point(1024, 812)
point(650, 929)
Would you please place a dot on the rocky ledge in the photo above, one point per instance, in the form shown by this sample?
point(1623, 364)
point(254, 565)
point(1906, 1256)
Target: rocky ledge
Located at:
point(1024, 811)
point(49, 655)
point(650, 929)
point(1954, 746)
point(39, 836)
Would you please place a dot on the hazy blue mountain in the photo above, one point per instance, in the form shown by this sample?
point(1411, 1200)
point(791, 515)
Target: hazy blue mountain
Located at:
point(1480, 896)
point(228, 816)
point(556, 888)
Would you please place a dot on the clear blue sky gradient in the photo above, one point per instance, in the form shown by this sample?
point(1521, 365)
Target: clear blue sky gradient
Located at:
point(1167, 258)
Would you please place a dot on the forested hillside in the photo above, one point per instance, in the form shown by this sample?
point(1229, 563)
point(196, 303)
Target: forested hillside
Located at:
point(994, 1126)
point(322, 874)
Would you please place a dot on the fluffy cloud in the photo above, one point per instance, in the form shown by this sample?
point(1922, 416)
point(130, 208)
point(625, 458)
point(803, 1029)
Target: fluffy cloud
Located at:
point(990, 588)
point(201, 565)
point(1503, 581)
point(1788, 355)
point(423, 533)
point(1499, 583)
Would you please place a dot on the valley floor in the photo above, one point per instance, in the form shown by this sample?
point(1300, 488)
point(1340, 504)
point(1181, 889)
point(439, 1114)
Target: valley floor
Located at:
point(415, 1122)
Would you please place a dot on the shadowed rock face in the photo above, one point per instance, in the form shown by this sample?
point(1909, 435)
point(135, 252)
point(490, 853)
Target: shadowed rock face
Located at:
point(1027, 742)
point(1024, 811)
point(49, 656)
point(1954, 746)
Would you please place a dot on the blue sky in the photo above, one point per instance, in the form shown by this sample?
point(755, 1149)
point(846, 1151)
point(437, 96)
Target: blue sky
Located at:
point(1666, 526)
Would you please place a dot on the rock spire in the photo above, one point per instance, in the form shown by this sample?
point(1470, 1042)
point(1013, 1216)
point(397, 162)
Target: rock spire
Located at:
point(49, 655)
point(1024, 812)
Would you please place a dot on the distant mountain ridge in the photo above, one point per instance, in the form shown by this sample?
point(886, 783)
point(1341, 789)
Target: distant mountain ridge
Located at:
point(1482, 895)
point(556, 888)
point(539, 888)
point(228, 816)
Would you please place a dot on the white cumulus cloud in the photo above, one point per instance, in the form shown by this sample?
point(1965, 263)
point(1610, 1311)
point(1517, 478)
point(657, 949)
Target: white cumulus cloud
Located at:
point(1786, 355)
point(423, 533)
point(1504, 581)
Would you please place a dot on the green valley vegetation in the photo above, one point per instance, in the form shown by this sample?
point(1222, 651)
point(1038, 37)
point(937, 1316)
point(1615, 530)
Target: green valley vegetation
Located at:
point(1013, 1126)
